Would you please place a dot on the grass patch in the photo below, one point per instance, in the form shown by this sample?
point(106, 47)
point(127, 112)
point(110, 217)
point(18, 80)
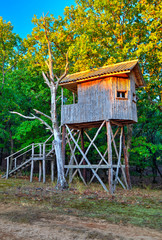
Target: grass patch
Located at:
point(139, 207)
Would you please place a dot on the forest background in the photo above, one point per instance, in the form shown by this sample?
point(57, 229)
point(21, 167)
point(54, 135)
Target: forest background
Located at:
point(95, 33)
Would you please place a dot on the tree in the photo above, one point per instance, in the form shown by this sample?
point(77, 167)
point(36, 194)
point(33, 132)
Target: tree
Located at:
point(52, 80)
point(10, 48)
point(107, 32)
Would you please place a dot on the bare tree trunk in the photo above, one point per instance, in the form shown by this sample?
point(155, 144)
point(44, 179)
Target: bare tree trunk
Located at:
point(53, 83)
point(61, 182)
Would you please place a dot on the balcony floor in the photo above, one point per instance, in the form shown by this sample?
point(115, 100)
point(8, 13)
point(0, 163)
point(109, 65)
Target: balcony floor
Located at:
point(87, 125)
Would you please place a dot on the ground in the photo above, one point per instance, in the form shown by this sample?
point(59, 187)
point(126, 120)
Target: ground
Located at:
point(38, 211)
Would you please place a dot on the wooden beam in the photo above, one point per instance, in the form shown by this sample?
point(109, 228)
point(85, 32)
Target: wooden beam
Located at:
point(116, 151)
point(76, 163)
point(92, 141)
point(82, 147)
point(52, 170)
point(71, 158)
point(102, 157)
point(44, 166)
point(116, 123)
point(15, 159)
point(73, 98)
point(8, 164)
point(63, 142)
point(32, 163)
point(86, 159)
point(40, 170)
point(62, 96)
point(31, 171)
point(110, 173)
point(126, 162)
point(119, 158)
point(95, 166)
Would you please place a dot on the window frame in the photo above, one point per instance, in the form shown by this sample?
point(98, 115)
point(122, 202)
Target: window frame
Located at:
point(120, 93)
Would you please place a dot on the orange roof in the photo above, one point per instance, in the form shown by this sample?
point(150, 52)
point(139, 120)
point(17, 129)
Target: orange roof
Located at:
point(110, 70)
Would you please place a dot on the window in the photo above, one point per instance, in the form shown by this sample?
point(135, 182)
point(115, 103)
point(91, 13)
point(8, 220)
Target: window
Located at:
point(122, 94)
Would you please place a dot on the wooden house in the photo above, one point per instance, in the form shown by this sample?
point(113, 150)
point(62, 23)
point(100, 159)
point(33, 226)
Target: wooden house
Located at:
point(106, 97)
point(106, 93)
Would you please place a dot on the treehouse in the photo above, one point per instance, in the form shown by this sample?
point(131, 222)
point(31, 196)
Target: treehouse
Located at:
point(106, 93)
point(105, 98)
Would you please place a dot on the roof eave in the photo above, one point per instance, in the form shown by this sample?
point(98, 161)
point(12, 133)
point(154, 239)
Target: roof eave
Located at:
point(139, 75)
point(96, 77)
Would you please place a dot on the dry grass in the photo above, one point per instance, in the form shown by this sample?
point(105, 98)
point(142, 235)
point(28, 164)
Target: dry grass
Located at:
point(140, 207)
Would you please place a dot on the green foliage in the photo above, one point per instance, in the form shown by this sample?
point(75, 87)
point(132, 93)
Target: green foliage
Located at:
point(95, 33)
point(143, 152)
point(10, 48)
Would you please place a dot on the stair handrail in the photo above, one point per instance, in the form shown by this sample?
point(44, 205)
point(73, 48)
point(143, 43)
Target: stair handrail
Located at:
point(28, 150)
point(31, 147)
point(48, 138)
point(18, 151)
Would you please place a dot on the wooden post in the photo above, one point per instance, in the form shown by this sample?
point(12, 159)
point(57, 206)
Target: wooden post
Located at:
point(63, 143)
point(82, 147)
point(7, 170)
point(126, 162)
point(73, 98)
point(40, 170)
point(15, 162)
point(119, 159)
point(52, 170)
point(44, 165)
point(62, 96)
point(40, 150)
point(84, 154)
point(40, 162)
point(31, 171)
point(110, 171)
point(32, 164)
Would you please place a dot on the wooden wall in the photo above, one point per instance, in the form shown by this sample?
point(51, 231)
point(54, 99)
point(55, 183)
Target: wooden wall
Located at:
point(97, 100)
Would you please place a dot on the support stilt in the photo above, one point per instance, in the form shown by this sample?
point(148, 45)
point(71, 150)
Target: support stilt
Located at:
point(126, 162)
point(31, 171)
point(84, 163)
point(7, 172)
point(84, 155)
point(110, 171)
point(119, 159)
point(44, 158)
point(32, 164)
point(82, 147)
point(52, 170)
point(63, 142)
point(40, 170)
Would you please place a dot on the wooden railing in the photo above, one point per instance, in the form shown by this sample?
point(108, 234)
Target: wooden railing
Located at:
point(34, 151)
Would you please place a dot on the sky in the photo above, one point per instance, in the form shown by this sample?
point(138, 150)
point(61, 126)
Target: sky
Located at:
point(21, 12)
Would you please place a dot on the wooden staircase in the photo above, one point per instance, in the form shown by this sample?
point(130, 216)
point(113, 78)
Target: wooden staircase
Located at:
point(26, 157)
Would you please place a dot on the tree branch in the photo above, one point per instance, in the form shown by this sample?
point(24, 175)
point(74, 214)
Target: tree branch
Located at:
point(46, 80)
point(65, 72)
point(58, 98)
point(39, 112)
point(27, 117)
point(33, 118)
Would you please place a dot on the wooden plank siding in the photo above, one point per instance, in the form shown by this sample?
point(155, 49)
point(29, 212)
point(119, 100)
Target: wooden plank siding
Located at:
point(97, 100)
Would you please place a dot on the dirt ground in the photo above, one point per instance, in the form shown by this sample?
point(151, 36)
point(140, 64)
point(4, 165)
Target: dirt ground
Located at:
point(24, 222)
